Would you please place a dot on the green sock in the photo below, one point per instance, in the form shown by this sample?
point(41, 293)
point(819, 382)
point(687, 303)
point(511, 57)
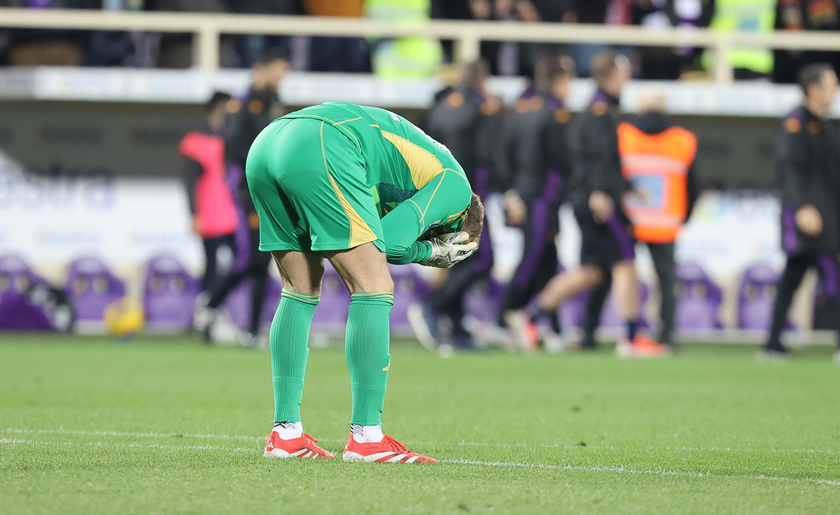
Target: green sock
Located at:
point(368, 359)
point(289, 339)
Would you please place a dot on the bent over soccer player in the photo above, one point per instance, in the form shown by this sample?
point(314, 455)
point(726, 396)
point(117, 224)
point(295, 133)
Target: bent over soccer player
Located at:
point(360, 186)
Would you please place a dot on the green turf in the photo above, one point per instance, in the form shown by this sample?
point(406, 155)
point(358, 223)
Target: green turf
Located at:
point(164, 425)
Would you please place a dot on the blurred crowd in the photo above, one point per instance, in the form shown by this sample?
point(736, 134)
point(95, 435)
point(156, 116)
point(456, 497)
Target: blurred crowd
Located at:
point(419, 56)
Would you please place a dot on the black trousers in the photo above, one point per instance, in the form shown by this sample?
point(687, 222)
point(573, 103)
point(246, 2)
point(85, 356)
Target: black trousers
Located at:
point(539, 261)
point(795, 269)
point(665, 266)
point(211, 249)
point(257, 271)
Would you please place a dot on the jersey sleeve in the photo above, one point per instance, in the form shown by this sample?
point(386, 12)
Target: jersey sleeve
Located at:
point(442, 201)
point(791, 163)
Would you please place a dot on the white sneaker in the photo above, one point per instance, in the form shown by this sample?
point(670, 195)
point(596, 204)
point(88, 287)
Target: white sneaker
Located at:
point(553, 342)
point(422, 327)
point(624, 348)
point(203, 316)
point(525, 333)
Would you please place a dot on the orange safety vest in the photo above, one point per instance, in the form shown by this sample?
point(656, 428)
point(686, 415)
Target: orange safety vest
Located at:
point(657, 164)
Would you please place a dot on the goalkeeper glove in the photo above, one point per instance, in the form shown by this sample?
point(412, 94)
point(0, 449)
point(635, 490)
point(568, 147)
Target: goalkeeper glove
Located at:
point(449, 249)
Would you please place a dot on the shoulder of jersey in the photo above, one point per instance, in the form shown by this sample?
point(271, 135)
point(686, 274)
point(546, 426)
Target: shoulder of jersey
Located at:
point(233, 106)
point(492, 105)
point(256, 106)
point(793, 122)
point(599, 108)
point(562, 115)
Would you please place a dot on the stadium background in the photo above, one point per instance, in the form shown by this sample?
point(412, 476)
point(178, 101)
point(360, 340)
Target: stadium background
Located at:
point(90, 164)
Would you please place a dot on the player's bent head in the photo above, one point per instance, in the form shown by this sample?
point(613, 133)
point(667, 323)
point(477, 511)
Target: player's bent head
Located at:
point(474, 221)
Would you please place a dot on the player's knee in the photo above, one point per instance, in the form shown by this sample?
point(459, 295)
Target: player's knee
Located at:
point(592, 275)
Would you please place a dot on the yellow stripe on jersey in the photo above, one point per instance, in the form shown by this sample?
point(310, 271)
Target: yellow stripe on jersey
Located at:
point(359, 231)
point(422, 164)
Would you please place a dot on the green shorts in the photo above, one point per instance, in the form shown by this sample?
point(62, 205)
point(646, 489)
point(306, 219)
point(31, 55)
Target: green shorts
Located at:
point(310, 189)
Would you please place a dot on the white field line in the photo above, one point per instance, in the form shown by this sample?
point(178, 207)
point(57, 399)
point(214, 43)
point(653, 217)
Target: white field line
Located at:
point(625, 470)
point(462, 443)
point(495, 464)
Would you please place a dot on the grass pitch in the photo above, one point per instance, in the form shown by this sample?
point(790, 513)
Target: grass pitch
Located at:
point(164, 425)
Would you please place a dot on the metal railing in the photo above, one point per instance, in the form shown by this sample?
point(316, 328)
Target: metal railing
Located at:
point(468, 35)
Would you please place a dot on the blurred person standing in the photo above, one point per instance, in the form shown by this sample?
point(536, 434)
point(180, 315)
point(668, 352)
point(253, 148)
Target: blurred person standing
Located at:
point(49, 47)
point(599, 190)
point(404, 57)
point(176, 50)
point(214, 216)
point(798, 15)
point(540, 155)
point(338, 54)
point(249, 47)
point(657, 157)
point(467, 120)
point(808, 165)
point(758, 16)
point(247, 117)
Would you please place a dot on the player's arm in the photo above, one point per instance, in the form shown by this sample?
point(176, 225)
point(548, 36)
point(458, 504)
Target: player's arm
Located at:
point(598, 141)
point(237, 130)
point(791, 163)
point(443, 199)
point(191, 170)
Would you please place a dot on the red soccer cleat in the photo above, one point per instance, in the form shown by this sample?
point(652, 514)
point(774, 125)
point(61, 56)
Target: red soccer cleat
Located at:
point(303, 447)
point(642, 347)
point(386, 451)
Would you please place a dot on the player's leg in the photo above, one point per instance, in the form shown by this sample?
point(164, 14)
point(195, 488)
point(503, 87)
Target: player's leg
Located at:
point(288, 340)
point(282, 232)
point(663, 263)
point(211, 247)
point(365, 273)
point(828, 266)
point(795, 269)
point(258, 271)
point(594, 308)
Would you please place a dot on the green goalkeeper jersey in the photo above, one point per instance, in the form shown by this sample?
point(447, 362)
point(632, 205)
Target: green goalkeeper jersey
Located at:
point(418, 187)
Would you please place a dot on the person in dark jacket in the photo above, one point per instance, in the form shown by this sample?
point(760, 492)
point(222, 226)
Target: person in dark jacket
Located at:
point(247, 117)
point(540, 157)
point(598, 193)
point(467, 120)
point(211, 204)
point(808, 165)
point(671, 189)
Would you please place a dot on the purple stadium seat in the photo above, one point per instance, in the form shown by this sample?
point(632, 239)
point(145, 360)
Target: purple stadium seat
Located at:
point(409, 288)
point(484, 300)
point(238, 303)
point(169, 293)
point(756, 296)
point(91, 287)
point(698, 299)
point(331, 313)
point(17, 311)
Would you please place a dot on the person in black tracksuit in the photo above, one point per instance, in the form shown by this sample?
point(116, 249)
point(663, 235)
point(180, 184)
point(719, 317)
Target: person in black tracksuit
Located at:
point(607, 245)
point(652, 121)
point(808, 165)
point(247, 118)
point(540, 158)
point(467, 121)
